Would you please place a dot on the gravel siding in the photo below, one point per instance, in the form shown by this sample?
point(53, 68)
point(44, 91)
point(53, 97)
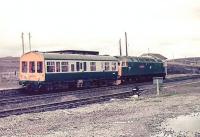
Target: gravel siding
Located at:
point(116, 118)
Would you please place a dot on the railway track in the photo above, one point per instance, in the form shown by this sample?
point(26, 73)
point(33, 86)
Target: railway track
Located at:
point(21, 99)
point(64, 105)
point(124, 91)
point(6, 94)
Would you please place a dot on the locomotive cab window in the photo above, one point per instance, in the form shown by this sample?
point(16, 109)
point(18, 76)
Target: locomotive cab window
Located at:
point(51, 66)
point(31, 67)
point(24, 66)
point(39, 67)
point(124, 64)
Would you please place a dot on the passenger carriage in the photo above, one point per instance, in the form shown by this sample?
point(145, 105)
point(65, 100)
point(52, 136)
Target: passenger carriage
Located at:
point(50, 71)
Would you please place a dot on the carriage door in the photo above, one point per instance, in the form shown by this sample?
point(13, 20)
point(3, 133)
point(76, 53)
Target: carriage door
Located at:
point(81, 66)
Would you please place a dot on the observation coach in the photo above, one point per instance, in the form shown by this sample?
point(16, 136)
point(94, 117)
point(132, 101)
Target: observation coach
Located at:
point(50, 71)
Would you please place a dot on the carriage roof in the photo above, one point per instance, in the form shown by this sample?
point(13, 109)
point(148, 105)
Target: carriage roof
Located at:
point(57, 56)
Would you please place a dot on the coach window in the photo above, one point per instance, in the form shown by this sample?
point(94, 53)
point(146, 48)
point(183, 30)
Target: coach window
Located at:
point(50, 66)
point(114, 66)
point(102, 65)
point(81, 65)
point(57, 66)
point(77, 66)
point(93, 66)
point(31, 67)
point(24, 66)
point(65, 67)
point(107, 67)
point(72, 67)
point(39, 67)
point(84, 66)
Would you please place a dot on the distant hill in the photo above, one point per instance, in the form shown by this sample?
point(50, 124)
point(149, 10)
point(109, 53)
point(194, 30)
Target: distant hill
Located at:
point(9, 64)
point(189, 61)
point(184, 65)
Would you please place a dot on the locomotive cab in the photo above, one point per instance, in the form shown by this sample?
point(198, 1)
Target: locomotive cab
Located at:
point(32, 70)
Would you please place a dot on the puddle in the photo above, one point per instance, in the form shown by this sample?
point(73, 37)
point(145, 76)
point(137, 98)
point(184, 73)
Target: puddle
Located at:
point(188, 125)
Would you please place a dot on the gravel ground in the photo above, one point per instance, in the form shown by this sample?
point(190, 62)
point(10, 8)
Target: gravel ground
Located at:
point(116, 118)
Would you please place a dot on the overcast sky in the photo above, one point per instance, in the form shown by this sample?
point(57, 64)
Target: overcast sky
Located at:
point(169, 27)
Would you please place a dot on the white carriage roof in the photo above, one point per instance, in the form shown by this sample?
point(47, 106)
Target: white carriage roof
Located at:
point(58, 56)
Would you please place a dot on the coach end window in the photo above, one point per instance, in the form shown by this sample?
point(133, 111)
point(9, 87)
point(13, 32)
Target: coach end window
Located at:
point(24, 66)
point(51, 66)
point(39, 67)
point(31, 67)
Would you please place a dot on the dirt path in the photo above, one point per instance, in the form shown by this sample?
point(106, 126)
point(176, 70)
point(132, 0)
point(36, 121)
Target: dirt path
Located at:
point(116, 118)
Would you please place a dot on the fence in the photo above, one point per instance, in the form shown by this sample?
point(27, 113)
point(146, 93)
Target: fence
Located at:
point(7, 77)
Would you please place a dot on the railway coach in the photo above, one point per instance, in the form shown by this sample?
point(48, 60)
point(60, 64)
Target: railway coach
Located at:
point(50, 71)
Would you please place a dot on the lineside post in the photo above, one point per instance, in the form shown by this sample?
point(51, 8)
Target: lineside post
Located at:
point(157, 81)
point(157, 87)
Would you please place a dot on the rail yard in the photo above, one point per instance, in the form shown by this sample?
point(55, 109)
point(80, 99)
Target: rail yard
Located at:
point(99, 111)
point(127, 92)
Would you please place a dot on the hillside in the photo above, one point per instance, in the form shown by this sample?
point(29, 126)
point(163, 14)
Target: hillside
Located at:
point(184, 65)
point(9, 64)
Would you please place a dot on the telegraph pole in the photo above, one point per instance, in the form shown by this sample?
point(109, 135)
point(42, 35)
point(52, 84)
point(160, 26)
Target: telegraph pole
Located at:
point(22, 36)
point(120, 47)
point(126, 44)
point(29, 36)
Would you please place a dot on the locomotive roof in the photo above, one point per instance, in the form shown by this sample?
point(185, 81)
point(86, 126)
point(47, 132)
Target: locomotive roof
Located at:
point(57, 56)
point(138, 59)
